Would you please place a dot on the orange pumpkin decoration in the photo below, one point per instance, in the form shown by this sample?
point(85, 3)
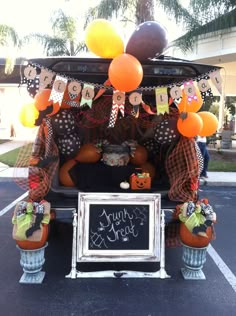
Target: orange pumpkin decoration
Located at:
point(88, 153)
point(189, 124)
point(192, 240)
point(149, 168)
point(140, 156)
point(64, 176)
point(27, 244)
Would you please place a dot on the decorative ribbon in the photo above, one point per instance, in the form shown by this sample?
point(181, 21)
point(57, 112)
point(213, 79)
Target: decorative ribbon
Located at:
point(118, 104)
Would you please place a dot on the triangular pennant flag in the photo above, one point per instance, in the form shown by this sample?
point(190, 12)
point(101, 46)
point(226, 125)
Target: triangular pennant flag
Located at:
point(107, 83)
point(31, 79)
point(176, 94)
point(162, 100)
point(217, 80)
point(118, 104)
point(58, 89)
point(87, 95)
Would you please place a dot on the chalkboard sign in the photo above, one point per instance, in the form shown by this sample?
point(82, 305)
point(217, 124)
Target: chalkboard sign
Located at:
point(118, 227)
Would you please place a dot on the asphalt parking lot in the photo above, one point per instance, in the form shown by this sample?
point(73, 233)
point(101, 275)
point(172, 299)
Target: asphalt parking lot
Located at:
point(58, 295)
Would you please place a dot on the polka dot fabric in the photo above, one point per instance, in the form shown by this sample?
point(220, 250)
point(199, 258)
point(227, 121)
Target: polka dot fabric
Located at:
point(69, 145)
point(166, 132)
point(63, 123)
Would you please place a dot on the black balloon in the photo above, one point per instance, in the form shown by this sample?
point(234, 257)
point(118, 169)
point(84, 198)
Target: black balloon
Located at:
point(148, 41)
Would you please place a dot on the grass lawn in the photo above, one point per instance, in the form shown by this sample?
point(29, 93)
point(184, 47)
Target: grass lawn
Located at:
point(10, 158)
point(2, 141)
point(227, 166)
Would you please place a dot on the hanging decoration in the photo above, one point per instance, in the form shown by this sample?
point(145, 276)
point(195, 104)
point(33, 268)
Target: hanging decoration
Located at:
point(162, 100)
point(58, 89)
point(217, 80)
point(135, 98)
point(188, 96)
point(31, 79)
point(87, 95)
point(204, 87)
point(45, 79)
point(118, 104)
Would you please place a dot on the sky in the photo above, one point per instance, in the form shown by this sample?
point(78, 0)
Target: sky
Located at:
point(31, 16)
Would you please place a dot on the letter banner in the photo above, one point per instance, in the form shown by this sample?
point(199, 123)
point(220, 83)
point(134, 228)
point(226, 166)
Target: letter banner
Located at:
point(162, 100)
point(87, 95)
point(217, 80)
point(118, 104)
point(58, 89)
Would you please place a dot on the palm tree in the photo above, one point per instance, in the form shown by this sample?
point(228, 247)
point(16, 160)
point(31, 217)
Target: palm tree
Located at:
point(63, 41)
point(10, 39)
point(200, 17)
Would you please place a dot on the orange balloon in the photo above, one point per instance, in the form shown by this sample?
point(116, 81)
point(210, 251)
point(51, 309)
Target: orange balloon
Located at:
point(210, 123)
point(41, 102)
point(190, 106)
point(125, 73)
point(191, 125)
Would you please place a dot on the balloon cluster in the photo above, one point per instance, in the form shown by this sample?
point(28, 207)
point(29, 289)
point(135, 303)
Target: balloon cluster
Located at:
point(125, 71)
point(192, 123)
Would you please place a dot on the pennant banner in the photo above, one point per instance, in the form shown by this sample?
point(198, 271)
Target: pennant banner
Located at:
point(118, 104)
point(217, 80)
point(58, 89)
point(135, 99)
point(87, 95)
point(162, 100)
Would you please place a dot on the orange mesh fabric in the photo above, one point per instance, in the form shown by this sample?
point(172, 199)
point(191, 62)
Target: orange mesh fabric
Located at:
point(182, 168)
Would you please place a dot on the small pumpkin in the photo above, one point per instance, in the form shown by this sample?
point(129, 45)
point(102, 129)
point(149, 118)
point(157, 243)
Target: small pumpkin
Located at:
point(64, 176)
point(124, 185)
point(28, 244)
point(140, 156)
point(88, 153)
point(193, 240)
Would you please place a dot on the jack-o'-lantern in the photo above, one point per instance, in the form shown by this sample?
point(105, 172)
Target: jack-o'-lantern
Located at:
point(88, 153)
point(138, 182)
point(64, 176)
point(193, 240)
point(140, 156)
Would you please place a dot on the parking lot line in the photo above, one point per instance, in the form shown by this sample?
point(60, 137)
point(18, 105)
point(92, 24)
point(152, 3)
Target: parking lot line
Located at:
point(9, 206)
point(228, 274)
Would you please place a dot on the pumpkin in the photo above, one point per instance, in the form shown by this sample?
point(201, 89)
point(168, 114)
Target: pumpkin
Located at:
point(124, 185)
point(88, 153)
point(140, 156)
point(147, 167)
point(64, 176)
point(27, 244)
point(192, 240)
